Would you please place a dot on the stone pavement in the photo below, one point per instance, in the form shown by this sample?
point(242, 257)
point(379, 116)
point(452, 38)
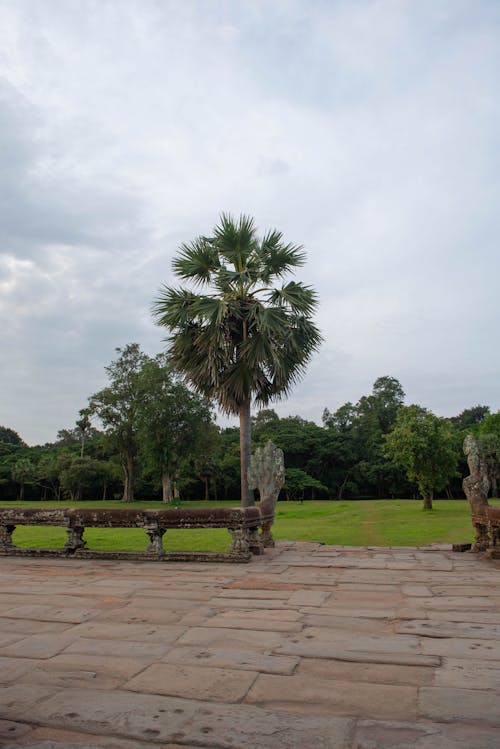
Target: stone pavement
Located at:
point(309, 645)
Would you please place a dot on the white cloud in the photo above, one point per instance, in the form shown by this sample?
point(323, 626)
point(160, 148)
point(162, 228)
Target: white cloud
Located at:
point(366, 131)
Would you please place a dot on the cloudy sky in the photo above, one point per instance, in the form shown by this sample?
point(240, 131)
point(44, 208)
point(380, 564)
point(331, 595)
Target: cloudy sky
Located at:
point(366, 130)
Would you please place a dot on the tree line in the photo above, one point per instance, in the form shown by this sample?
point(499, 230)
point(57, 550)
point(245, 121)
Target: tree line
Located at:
point(146, 435)
point(240, 333)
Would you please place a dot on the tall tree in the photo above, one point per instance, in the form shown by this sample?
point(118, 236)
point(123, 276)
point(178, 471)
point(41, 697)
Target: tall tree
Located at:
point(424, 445)
point(10, 436)
point(23, 472)
point(171, 420)
point(117, 406)
point(245, 339)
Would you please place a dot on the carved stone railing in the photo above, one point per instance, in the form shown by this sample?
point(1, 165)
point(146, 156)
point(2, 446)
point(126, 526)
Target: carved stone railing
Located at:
point(242, 523)
point(487, 528)
point(485, 518)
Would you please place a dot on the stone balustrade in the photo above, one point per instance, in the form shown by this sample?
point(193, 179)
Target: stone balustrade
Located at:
point(242, 523)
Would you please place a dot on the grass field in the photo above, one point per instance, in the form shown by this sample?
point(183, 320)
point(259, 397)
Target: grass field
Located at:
point(365, 523)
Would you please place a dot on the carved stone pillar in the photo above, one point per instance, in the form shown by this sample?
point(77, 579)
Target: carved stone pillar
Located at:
point(240, 543)
point(75, 538)
point(476, 487)
point(267, 474)
point(155, 534)
point(6, 532)
point(255, 541)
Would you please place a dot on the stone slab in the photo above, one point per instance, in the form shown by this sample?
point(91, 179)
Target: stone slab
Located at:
point(331, 651)
point(427, 628)
point(371, 734)
point(124, 631)
point(460, 705)
point(211, 635)
point(227, 657)
point(336, 696)
point(193, 682)
point(373, 673)
point(45, 613)
point(124, 648)
point(163, 719)
point(38, 646)
point(462, 648)
point(460, 672)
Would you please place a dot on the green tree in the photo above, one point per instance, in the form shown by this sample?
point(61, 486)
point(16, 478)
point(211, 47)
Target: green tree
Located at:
point(118, 406)
point(171, 422)
point(23, 472)
point(245, 339)
point(10, 436)
point(79, 474)
point(424, 445)
point(470, 418)
point(297, 482)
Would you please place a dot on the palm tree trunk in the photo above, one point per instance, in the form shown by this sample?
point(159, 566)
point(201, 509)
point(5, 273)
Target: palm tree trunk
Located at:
point(245, 449)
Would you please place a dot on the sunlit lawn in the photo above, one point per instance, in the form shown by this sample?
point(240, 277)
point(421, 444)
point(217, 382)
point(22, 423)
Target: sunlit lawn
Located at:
point(364, 523)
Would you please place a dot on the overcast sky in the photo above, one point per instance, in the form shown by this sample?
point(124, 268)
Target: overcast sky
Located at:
point(366, 130)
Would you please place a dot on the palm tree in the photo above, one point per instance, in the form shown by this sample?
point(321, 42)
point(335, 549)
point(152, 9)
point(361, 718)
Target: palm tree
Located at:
point(243, 340)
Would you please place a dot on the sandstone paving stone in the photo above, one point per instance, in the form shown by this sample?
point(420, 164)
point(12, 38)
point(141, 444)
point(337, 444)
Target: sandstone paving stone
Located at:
point(270, 582)
point(196, 594)
point(8, 638)
point(449, 704)
point(369, 587)
point(455, 603)
point(461, 648)
point(252, 593)
point(326, 650)
point(50, 738)
point(233, 621)
point(372, 734)
point(167, 719)
point(376, 626)
point(373, 599)
point(52, 614)
point(470, 674)
point(18, 701)
point(127, 648)
point(354, 612)
point(338, 696)
point(12, 730)
point(373, 673)
point(63, 678)
point(89, 666)
point(136, 613)
point(225, 656)
point(308, 598)
point(248, 603)
point(356, 641)
point(450, 629)
point(123, 631)
point(193, 682)
point(484, 617)
point(38, 646)
point(279, 615)
point(11, 669)
point(212, 635)
point(31, 626)
point(416, 590)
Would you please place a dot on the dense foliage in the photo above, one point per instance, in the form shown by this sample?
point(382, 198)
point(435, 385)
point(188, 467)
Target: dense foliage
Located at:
point(147, 431)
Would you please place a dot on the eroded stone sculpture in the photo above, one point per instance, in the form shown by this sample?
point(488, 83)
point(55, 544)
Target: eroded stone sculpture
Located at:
point(476, 487)
point(267, 474)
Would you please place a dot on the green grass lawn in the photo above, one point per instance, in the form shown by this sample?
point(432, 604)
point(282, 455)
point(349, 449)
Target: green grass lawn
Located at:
point(364, 523)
